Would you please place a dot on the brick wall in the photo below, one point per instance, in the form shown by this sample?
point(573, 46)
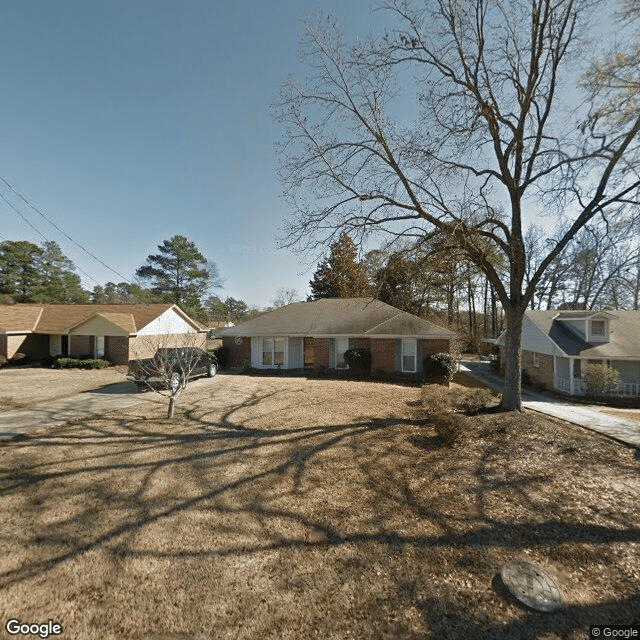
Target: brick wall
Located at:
point(80, 346)
point(13, 345)
point(238, 355)
point(383, 355)
point(436, 346)
point(116, 349)
point(542, 374)
point(34, 346)
point(320, 353)
point(145, 346)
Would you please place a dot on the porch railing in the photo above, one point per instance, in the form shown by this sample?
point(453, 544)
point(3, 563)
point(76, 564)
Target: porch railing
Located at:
point(622, 389)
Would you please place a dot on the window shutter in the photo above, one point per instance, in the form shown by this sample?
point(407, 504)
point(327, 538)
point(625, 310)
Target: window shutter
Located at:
point(352, 343)
point(398, 355)
point(332, 353)
point(420, 357)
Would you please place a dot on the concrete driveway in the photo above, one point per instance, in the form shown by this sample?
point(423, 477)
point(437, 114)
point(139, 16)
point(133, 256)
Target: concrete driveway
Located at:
point(626, 430)
point(54, 412)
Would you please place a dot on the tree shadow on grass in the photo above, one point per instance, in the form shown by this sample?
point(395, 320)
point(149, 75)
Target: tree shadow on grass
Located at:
point(255, 487)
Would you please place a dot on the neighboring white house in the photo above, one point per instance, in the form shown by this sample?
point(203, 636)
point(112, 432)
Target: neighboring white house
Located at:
point(558, 345)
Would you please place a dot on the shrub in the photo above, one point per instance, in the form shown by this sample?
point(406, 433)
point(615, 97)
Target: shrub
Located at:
point(433, 398)
point(477, 399)
point(359, 360)
point(222, 356)
point(451, 427)
point(525, 378)
point(76, 363)
point(601, 379)
point(440, 366)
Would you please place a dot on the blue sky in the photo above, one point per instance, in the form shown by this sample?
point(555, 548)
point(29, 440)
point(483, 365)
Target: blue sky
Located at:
point(127, 122)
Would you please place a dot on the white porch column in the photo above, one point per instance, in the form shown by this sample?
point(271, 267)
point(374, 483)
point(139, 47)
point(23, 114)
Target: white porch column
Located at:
point(570, 376)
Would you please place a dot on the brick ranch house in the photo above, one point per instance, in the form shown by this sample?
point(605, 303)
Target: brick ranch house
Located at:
point(558, 345)
point(116, 332)
point(317, 334)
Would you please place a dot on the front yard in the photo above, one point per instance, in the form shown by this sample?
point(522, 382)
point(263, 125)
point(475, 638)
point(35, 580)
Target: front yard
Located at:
point(293, 508)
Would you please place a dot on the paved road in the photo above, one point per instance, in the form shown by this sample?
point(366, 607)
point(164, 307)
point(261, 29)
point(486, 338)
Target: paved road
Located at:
point(623, 429)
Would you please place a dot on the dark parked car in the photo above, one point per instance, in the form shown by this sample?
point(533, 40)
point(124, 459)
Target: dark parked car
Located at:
point(170, 366)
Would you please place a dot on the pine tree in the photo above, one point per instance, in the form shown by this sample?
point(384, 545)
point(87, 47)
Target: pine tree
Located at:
point(180, 274)
point(341, 276)
point(19, 269)
point(57, 281)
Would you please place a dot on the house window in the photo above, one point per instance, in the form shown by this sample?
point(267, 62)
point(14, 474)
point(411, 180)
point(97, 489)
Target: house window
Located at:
point(273, 352)
point(342, 345)
point(409, 355)
point(536, 359)
point(597, 328)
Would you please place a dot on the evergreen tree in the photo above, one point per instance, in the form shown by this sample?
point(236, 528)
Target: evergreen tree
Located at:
point(180, 274)
point(341, 276)
point(57, 281)
point(395, 283)
point(20, 269)
point(236, 308)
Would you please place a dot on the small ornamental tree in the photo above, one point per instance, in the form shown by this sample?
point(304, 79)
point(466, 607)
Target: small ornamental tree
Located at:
point(168, 370)
point(601, 379)
point(440, 367)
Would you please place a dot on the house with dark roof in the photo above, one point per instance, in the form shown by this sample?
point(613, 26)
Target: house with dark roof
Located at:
point(116, 332)
point(558, 345)
point(317, 334)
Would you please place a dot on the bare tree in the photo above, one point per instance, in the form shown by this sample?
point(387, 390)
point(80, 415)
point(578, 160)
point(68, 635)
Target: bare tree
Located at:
point(165, 364)
point(492, 141)
point(284, 297)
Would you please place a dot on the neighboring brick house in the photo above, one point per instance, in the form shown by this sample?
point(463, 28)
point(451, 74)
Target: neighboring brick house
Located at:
point(316, 334)
point(116, 332)
point(558, 345)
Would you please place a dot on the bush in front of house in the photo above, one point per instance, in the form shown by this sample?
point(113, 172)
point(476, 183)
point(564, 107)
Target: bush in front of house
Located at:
point(601, 379)
point(359, 360)
point(77, 363)
point(440, 367)
point(222, 356)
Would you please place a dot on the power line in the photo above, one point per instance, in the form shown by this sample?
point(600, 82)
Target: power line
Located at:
point(55, 226)
point(11, 206)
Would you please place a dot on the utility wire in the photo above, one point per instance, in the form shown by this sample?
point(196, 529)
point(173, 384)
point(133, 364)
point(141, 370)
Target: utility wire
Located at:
point(66, 235)
point(11, 206)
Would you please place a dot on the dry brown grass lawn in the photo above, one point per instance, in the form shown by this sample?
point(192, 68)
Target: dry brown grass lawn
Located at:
point(292, 508)
point(25, 386)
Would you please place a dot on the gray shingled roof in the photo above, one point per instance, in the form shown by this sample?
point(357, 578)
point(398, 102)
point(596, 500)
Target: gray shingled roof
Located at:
point(624, 333)
point(338, 317)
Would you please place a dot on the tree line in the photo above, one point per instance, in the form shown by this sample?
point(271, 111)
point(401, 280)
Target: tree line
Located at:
point(434, 279)
point(512, 112)
point(179, 274)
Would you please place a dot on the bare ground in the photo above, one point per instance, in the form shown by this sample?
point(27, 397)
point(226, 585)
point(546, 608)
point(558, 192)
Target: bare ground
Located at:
point(293, 508)
point(25, 386)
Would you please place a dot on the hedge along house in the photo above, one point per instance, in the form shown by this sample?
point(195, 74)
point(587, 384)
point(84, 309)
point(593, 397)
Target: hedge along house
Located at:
point(317, 334)
point(557, 346)
point(116, 332)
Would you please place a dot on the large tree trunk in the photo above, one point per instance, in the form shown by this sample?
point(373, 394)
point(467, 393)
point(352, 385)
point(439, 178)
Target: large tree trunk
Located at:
point(511, 397)
point(172, 406)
